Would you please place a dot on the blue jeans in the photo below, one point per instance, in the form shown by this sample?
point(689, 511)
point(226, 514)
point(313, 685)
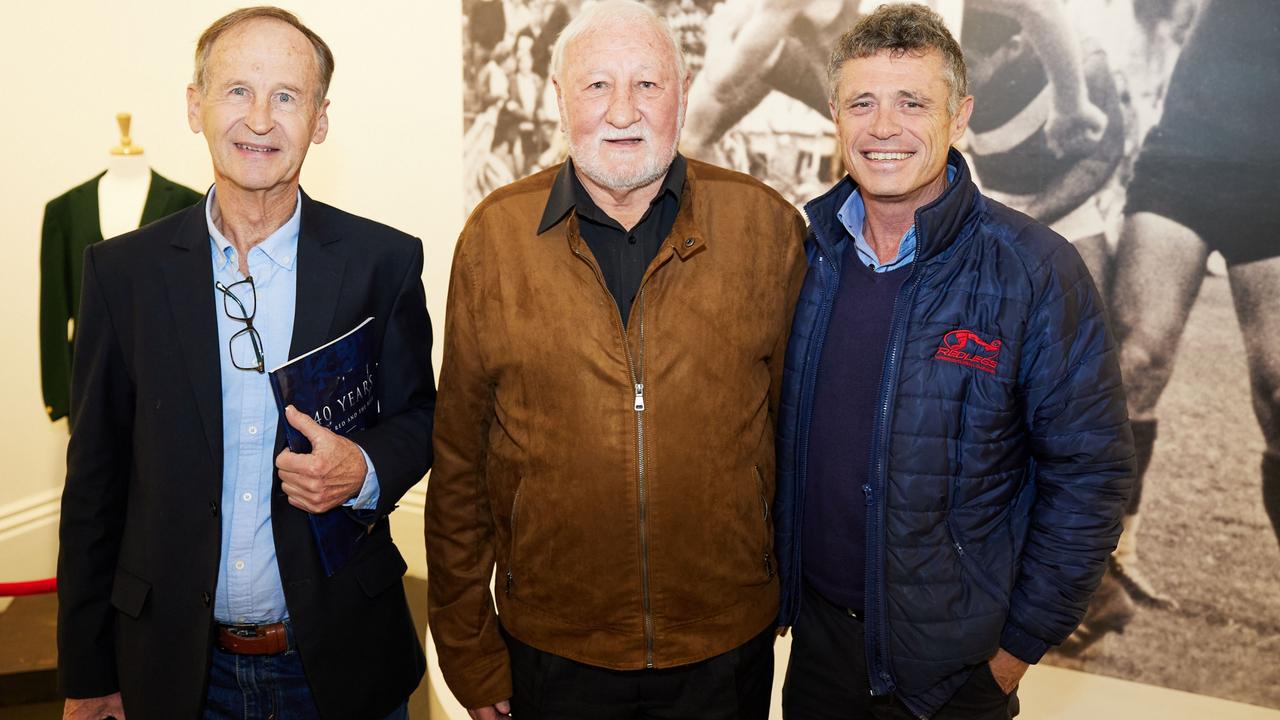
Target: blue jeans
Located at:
point(263, 687)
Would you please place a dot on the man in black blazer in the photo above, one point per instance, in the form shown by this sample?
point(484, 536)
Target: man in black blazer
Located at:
point(189, 580)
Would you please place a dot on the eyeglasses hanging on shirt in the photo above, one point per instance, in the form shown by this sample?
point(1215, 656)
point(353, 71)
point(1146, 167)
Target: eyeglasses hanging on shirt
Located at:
point(241, 303)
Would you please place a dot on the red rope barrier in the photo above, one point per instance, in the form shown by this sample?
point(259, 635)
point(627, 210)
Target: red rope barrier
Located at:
point(30, 587)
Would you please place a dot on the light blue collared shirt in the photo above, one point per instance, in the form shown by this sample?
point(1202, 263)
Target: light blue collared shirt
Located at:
point(853, 214)
point(249, 589)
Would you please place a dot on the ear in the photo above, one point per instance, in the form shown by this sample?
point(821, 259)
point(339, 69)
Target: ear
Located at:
point(322, 123)
point(559, 103)
point(193, 109)
point(684, 98)
point(960, 121)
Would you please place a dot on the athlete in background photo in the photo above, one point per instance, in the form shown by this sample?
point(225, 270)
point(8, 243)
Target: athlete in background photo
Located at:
point(755, 47)
point(1041, 141)
point(1205, 180)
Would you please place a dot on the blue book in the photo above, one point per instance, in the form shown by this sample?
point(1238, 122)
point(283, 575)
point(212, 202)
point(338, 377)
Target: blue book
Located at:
point(334, 384)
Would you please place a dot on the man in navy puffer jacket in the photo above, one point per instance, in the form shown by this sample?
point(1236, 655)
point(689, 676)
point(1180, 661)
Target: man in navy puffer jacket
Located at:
point(954, 452)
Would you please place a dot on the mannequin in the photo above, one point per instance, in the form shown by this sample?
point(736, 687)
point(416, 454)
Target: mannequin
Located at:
point(129, 194)
point(122, 192)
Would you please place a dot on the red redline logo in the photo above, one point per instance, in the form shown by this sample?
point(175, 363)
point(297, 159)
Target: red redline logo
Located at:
point(955, 348)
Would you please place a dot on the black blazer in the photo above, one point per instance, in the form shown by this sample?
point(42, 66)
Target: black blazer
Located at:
point(70, 225)
point(140, 528)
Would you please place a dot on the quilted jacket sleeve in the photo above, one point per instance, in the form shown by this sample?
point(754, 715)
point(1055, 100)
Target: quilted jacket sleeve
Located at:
point(1082, 448)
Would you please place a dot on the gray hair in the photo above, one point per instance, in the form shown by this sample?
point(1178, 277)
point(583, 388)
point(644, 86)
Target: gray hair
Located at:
point(903, 28)
point(204, 46)
point(615, 11)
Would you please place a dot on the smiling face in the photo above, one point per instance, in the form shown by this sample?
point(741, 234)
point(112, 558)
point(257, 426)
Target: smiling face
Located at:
point(259, 110)
point(621, 105)
point(894, 127)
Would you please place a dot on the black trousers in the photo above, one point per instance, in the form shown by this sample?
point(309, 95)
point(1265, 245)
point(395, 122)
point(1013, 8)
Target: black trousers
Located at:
point(827, 675)
point(735, 685)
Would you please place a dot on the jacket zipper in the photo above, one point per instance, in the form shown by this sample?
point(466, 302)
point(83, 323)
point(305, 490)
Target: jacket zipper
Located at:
point(881, 679)
point(810, 382)
point(636, 371)
point(637, 379)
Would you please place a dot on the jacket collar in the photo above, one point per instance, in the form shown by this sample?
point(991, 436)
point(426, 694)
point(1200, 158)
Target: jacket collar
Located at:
point(687, 236)
point(320, 271)
point(566, 190)
point(938, 224)
point(159, 200)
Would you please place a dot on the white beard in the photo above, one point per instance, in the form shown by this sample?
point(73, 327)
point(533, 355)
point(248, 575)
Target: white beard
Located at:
point(656, 161)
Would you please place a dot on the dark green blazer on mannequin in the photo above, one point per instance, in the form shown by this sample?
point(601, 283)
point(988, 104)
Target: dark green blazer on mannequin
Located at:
point(70, 225)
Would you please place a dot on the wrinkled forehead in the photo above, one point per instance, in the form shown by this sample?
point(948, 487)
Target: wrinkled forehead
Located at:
point(919, 73)
point(264, 45)
point(620, 43)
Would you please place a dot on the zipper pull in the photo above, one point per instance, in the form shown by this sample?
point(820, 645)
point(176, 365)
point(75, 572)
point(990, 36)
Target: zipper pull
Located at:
point(639, 397)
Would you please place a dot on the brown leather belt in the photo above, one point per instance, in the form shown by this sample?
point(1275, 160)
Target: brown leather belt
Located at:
point(253, 639)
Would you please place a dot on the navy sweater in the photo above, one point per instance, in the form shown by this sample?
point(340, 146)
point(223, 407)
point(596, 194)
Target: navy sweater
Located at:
point(834, 532)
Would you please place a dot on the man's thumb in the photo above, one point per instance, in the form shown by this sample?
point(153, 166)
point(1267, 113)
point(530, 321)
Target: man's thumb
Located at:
point(304, 424)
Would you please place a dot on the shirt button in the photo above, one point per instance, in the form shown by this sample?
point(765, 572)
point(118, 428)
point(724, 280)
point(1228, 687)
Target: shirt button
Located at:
point(247, 497)
point(239, 564)
point(253, 429)
point(688, 242)
point(631, 239)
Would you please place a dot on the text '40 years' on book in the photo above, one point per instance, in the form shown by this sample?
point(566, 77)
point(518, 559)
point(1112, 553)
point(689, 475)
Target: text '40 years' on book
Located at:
point(334, 384)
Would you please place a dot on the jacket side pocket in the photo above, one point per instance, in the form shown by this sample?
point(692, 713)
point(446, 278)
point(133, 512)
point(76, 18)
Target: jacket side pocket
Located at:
point(511, 551)
point(766, 522)
point(968, 562)
point(129, 593)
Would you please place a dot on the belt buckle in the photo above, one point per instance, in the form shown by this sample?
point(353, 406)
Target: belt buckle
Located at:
point(243, 631)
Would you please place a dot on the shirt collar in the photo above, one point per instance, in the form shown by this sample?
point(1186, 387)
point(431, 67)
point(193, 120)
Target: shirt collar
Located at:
point(280, 247)
point(566, 190)
point(853, 214)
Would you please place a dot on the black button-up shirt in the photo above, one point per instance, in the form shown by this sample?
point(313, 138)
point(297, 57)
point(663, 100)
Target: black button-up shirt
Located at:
point(623, 256)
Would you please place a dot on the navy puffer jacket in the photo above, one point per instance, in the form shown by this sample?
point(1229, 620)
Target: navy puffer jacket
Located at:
point(1001, 458)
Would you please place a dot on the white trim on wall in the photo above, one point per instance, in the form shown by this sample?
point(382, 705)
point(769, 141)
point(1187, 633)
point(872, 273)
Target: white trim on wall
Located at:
point(30, 513)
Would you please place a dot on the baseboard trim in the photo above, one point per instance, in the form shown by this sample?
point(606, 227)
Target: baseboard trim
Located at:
point(30, 513)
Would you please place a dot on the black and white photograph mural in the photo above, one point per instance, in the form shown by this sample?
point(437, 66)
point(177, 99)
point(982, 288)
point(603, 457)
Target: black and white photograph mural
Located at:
point(1138, 129)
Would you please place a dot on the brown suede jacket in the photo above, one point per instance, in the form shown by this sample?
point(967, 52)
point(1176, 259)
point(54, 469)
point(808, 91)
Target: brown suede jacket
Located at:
point(620, 479)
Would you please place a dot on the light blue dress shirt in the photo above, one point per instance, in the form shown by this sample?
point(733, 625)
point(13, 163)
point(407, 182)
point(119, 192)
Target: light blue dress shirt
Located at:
point(853, 214)
point(249, 589)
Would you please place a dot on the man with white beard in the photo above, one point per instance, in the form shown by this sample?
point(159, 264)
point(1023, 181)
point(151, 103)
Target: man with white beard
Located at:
point(604, 437)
